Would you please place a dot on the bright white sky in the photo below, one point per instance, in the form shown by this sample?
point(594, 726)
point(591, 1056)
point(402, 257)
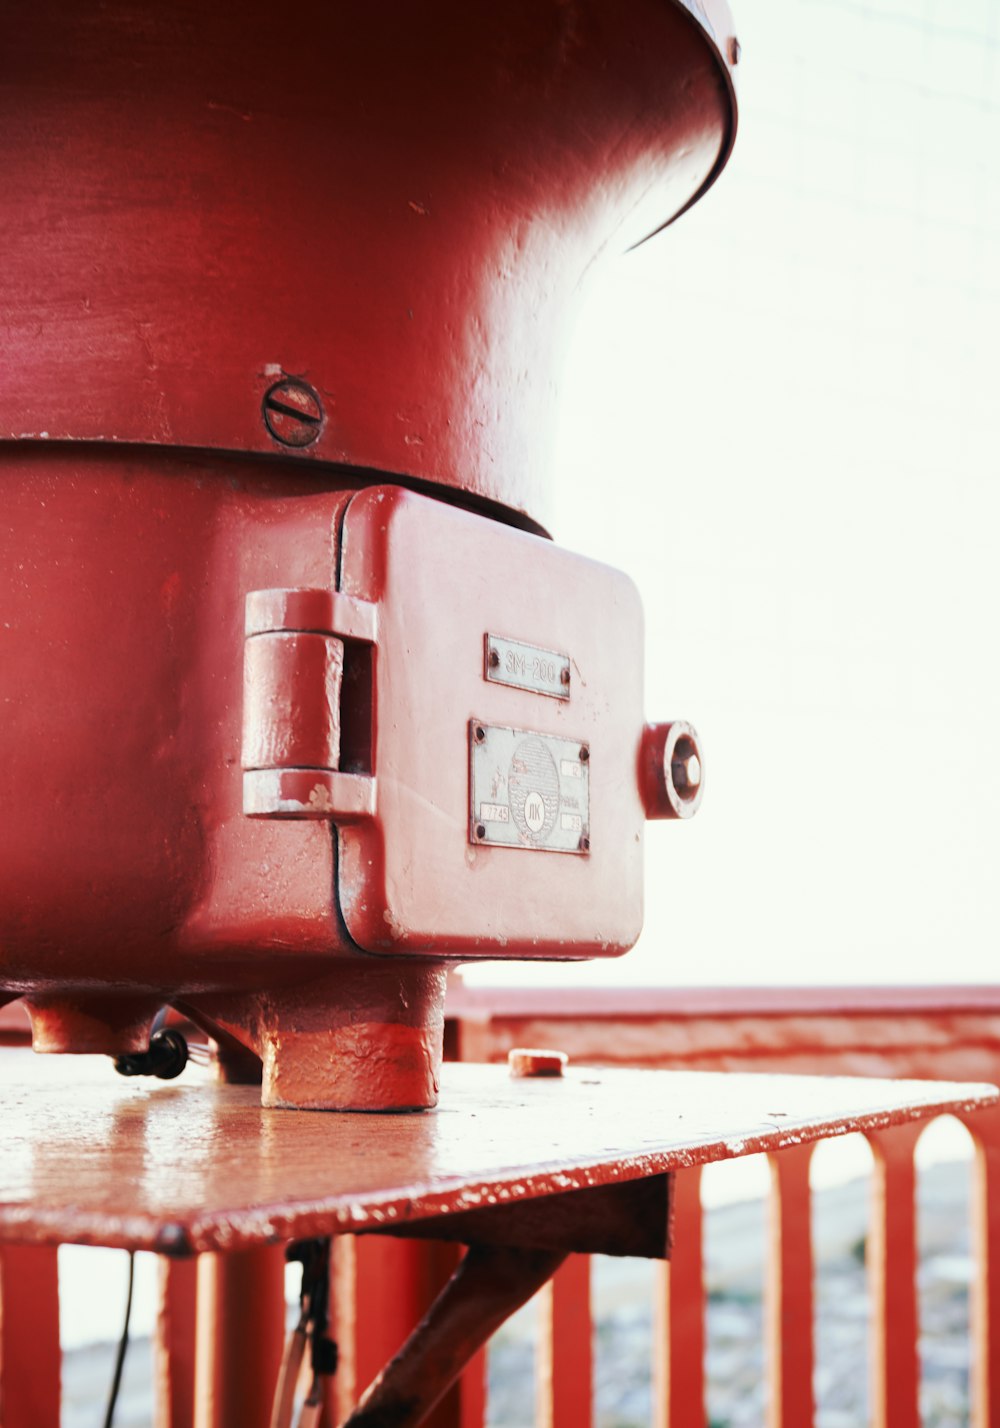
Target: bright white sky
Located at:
point(781, 417)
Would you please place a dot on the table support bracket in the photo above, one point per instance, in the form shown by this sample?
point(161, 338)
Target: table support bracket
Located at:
point(620, 1217)
point(513, 1250)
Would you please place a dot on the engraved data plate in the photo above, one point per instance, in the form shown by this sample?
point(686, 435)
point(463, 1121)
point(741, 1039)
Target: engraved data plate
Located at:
point(527, 667)
point(528, 790)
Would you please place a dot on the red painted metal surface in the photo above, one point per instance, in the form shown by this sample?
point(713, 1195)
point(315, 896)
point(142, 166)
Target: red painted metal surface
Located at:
point(174, 1343)
point(127, 862)
point(858, 1031)
point(626, 1218)
point(241, 1317)
point(528, 1061)
point(381, 1288)
point(564, 1365)
point(906, 1031)
point(365, 1037)
point(790, 1291)
point(240, 920)
point(671, 770)
point(241, 281)
point(252, 925)
point(679, 1326)
point(489, 1283)
point(926, 1031)
point(30, 1362)
point(398, 209)
point(251, 1178)
point(410, 878)
point(985, 1130)
point(286, 730)
point(892, 1258)
point(350, 258)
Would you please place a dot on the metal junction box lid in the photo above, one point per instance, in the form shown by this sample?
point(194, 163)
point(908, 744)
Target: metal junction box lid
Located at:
point(507, 710)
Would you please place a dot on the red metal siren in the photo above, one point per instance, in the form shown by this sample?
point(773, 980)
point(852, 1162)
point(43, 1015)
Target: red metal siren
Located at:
point(300, 702)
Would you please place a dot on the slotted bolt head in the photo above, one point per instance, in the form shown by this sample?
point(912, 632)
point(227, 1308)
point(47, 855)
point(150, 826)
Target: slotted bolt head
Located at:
point(293, 413)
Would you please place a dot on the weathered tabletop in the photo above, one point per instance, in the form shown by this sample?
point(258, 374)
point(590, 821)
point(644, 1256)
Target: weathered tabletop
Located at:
point(190, 1166)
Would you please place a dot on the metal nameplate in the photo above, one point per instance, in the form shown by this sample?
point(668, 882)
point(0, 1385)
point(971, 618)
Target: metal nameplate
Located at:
point(527, 667)
point(528, 790)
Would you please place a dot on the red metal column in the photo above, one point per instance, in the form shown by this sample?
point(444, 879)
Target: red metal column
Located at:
point(29, 1337)
point(679, 1357)
point(892, 1248)
point(381, 1290)
point(790, 1291)
point(489, 1284)
point(985, 1129)
point(472, 1393)
point(241, 1327)
point(565, 1351)
point(174, 1348)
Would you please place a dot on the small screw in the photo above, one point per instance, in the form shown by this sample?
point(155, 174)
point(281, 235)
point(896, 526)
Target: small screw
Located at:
point(480, 734)
point(480, 830)
point(735, 50)
point(494, 659)
point(584, 844)
point(564, 675)
point(584, 754)
point(293, 413)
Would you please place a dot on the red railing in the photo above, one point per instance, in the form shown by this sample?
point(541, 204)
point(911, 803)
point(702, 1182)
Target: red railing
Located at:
point(943, 1033)
point(381, 1287)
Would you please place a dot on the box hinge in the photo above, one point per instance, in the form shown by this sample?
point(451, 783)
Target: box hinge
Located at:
point(298, 643)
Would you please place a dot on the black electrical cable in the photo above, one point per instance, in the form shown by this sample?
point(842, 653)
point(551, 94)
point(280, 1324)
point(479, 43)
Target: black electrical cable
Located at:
point(166, 1057)
point(116, 1381)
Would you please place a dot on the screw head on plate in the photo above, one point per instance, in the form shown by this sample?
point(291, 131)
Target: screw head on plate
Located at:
point(293, 413)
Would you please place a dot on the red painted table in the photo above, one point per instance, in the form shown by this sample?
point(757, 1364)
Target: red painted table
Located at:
point(525, 1170)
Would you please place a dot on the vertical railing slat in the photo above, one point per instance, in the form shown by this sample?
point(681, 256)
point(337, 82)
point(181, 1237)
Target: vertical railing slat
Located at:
point(790, 1291)
point(30, 1359)
point(679, 1332)
point(174, 1348)
point(985, 1129)
point(240, 1339)
point(892, 1256)
point(472, 1393)
point(564, 1367)
point(381, 1290)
